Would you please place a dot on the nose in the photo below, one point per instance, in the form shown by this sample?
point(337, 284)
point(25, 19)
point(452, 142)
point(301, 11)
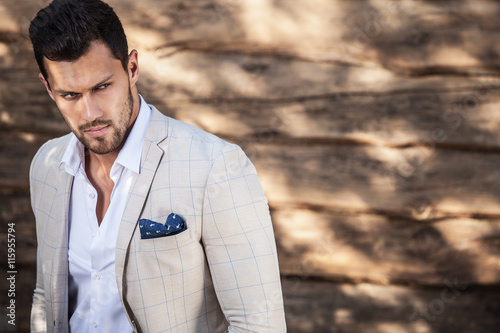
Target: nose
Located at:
point(90, 109)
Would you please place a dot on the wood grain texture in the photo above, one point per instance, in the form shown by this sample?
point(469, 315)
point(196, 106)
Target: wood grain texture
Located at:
point(315, 306)
point(460, 119)
point(410, 37)
point(16, 152)
point(420, 182)
point(219, 77)
point(415, 38)
point(373, 126)
point(330, 100)
point(453, 115)
point(367, 247)
point(343, 246)
point(318, 306)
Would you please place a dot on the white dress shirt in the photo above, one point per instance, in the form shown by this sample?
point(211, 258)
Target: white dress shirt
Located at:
point(94, 302)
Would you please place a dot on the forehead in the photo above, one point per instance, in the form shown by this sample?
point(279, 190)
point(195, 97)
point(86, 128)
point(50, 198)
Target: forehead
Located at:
point(82, 74)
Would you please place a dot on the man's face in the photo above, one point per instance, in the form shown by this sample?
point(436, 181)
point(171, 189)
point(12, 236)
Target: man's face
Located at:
point(94, 96)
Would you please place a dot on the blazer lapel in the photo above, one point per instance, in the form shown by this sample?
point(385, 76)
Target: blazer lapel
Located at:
point(139, 189)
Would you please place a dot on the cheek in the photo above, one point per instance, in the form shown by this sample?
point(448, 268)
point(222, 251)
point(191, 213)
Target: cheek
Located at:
point(69, 115)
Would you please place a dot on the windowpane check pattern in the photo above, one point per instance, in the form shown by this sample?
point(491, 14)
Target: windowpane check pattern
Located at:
point(219, 275)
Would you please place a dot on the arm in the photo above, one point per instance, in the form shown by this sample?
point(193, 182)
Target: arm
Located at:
point(38, 320)
point(240, 246)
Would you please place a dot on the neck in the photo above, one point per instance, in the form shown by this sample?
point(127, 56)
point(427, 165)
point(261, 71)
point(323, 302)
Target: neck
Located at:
point(100, 164)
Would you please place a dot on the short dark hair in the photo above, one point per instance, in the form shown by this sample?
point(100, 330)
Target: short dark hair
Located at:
point(64, 30)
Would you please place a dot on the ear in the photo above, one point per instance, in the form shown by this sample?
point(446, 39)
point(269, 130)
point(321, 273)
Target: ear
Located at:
point(133, 67)
point(47, 86)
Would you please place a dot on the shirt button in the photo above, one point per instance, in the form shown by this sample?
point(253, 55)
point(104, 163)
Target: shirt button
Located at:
point(95, 324)
point(97, 276)
point(91, 195)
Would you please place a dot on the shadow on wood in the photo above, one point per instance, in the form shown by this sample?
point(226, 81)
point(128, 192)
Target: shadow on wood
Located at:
point(373, 127)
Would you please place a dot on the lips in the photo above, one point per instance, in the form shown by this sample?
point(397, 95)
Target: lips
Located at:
point(97, 131)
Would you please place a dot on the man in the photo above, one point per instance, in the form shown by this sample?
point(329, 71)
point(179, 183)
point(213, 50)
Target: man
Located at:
point(144, 223)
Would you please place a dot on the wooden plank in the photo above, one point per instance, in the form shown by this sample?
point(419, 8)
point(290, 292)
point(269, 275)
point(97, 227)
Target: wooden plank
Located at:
point(425, 38)
point(418, 182)
point(465, 118)
point(463, 110)
point(222, 77)
point(210, 76)
point(210, 33)
point(405, 36)
point(16, 153)
point(35, 112)
point(460, 119)
point(315, 91)
point(367, 247)
point(342, 245)
point(15, 207)
point(315, 306)
point(409, 37)
point(319, 306)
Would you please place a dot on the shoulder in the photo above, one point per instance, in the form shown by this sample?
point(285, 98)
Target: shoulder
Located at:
point(50, 154)
point(186, 137)
point(224, 158)
point(181, 130)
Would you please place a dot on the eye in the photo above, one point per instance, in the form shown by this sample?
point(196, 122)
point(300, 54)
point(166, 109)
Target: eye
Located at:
point(104, 86)
point(70, 96)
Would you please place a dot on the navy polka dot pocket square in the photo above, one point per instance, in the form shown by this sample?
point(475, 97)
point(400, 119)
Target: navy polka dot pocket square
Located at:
point(150, 229)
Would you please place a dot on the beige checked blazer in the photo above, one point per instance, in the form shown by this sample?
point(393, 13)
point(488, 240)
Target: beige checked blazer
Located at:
point(219, 275)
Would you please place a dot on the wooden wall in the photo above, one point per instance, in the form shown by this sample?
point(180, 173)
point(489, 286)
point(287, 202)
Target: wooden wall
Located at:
point(374, 126)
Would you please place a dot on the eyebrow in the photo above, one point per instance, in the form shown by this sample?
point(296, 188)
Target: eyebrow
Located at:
point(65, 92)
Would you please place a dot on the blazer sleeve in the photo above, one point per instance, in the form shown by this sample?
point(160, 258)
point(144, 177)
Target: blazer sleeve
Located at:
point(240, 246)
point(38, 314)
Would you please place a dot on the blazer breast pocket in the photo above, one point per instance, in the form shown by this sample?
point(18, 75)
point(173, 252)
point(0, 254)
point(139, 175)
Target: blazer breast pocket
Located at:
point(164, 243)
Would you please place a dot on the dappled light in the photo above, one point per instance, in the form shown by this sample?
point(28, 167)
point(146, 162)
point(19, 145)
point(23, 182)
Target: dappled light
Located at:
point(373, 126)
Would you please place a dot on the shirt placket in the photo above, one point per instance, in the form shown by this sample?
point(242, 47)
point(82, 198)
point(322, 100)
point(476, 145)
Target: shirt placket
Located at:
point(95, 256)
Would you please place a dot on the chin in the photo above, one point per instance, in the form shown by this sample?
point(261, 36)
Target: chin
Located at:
point(101, 147)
